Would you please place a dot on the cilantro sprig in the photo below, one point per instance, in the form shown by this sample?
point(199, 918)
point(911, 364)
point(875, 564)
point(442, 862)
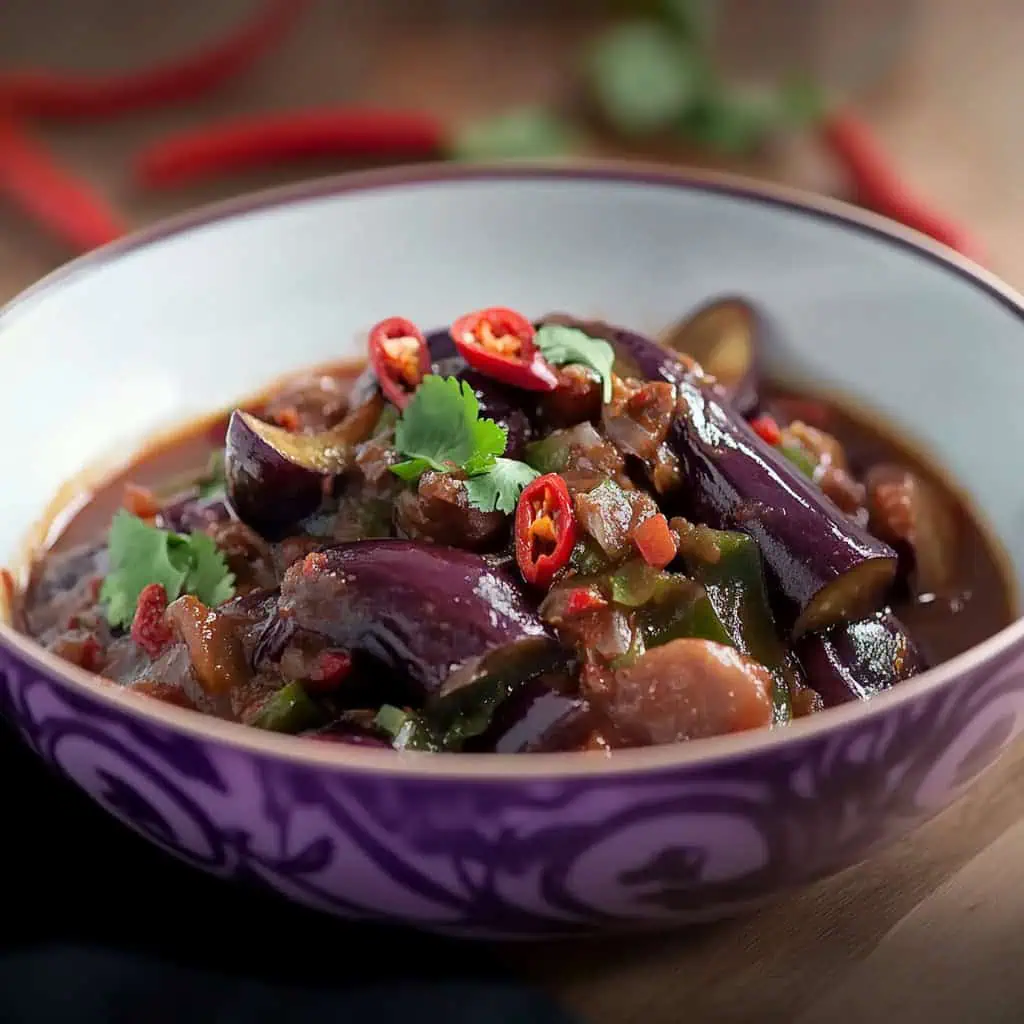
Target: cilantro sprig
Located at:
point(562, 345)
point(141, 554)
point(441, 429)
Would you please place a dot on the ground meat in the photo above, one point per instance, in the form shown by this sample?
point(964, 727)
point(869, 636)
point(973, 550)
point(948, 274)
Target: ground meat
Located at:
point(248, 555)
point(921, 523)
point(310, 403)
point(64, 589)
point(577, 399)
point(637, 418)
point(684, 690)
point(832, 474)
point(438, 511)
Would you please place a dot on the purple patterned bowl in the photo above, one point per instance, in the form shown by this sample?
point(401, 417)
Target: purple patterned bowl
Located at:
point(189, 316)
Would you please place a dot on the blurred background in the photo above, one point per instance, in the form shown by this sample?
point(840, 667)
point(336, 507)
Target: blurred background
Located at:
point(114, 113)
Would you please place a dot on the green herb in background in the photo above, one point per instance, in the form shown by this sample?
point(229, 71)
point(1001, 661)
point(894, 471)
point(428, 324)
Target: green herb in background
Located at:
point(643, 77)
point(527, 133)
point(653, 75)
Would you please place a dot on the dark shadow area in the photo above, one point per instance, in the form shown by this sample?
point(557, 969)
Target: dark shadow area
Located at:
point(99, 926)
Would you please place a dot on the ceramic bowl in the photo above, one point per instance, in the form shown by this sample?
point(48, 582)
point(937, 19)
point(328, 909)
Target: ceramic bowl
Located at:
point(187, 317)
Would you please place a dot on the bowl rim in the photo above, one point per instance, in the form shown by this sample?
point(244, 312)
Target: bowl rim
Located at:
point(467, 768)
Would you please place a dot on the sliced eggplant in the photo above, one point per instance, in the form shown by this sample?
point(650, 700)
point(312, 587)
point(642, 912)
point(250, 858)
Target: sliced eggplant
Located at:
point(276, 477)
point(857, 660)
point(441, 618)
point(725, 337)
point(823, 566)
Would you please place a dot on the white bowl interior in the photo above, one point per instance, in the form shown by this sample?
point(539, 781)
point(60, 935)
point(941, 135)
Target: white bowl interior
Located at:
point(139, 340)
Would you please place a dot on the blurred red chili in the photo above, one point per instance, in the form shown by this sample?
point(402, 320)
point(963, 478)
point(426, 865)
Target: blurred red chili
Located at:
point(499, 343)
point(67, 207)
point(261, 141)
point(399, 357)
point(53, 95)
point(877, 185)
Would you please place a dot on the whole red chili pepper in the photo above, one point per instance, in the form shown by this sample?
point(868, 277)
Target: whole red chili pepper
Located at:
point(499, 342)
point(545, 530)
point(67, 207)
point(42, 94)
point(877, 185)
point(260, 141)
point(399, 357)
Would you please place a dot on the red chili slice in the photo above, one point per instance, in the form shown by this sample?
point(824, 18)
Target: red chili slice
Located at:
point(499, 343)
point(545, 529)
point(399, 357)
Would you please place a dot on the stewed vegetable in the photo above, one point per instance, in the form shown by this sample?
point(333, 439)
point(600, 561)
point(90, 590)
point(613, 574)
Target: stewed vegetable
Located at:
point(515, 536)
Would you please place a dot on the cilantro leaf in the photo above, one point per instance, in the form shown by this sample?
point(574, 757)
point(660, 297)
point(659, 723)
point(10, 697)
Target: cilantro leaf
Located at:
point(208, 578)
point(441, 428)
point(643, 76)
point(498, 489)
point(561, 345)
point(141, 554)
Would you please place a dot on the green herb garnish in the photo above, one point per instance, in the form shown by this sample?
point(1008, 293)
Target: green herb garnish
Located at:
point(441, 429)
point(499, 488)
point(562, 345)
point(141, 554)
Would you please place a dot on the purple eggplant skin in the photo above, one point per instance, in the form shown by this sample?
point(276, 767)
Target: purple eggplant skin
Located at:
point(727, 337)
point(823, 567)
point(351, 733)
point(433, 615)
point(537, 718)
point(857, 660)
point(269, 486)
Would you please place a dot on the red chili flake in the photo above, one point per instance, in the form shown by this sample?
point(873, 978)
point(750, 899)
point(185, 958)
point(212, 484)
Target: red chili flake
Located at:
point(149, 627)
point(329, 670)
point(73, 622)
point(288, 419)
point(584, 600)
point(95, 586)
point(92, 657)
point(767, 429)
point(140, 501)
point(313, 564)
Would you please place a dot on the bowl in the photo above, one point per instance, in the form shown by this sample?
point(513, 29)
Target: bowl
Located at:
point(193, 314)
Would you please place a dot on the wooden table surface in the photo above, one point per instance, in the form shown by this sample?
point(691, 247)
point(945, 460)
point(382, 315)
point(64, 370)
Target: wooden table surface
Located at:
point(930, 930)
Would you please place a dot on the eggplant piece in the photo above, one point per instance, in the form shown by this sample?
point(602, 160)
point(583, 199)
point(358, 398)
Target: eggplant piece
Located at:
point(725, 337)
point(437, 616)
point(354, 728)
point(823, 566)
point(857, 660)
point(276, 477)
point(537, 718)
